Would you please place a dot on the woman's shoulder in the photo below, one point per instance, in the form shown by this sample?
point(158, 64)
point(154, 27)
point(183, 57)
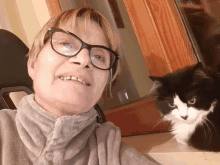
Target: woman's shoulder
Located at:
point(7, 123)
point(106, 131)
point(107, 127)
point(7, 116)
point(8, 112)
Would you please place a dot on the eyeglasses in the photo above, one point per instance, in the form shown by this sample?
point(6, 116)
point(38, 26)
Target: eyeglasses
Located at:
point(69, 45)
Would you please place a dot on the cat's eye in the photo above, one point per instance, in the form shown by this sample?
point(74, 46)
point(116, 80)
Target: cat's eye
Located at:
point(192, 101)
point(172, 105)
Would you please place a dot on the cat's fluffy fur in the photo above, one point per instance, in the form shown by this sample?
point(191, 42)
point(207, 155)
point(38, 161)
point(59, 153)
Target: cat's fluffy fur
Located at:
point(190, 99)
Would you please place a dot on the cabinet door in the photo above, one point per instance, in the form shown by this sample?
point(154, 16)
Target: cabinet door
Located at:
point(165, 46)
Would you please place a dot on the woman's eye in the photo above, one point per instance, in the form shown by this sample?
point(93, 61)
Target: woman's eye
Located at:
point(172, 105)
point(192, 101)
point(66, 45)
point(99, 58)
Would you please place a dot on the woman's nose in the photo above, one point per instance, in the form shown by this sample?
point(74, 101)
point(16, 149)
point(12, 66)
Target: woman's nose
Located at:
point(82, 59)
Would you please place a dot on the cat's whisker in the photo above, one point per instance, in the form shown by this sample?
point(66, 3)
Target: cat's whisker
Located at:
point(215, 129)
point(209, 130)
point(204, 130)
point(165, 124)
point(165, 97)
point(159, 121)
point(164, 100)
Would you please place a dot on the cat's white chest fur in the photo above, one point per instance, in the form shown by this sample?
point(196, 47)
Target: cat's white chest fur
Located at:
point(183, 131)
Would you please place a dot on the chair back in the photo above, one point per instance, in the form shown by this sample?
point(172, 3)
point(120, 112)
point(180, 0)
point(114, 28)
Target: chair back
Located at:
point(13, 67)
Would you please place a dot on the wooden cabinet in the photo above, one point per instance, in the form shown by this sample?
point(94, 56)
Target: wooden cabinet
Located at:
point(165, 47)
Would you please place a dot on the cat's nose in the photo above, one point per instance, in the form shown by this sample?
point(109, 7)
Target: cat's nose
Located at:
point(184, 117)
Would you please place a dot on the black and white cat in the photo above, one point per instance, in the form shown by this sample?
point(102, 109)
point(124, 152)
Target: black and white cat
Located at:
point(190, 99)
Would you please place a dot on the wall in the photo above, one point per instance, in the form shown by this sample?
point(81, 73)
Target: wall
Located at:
point(134, 56)
point(4, 23)
point(25, 18)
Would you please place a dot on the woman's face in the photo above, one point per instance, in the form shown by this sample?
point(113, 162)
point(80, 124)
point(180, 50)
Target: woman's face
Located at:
point(69, 97)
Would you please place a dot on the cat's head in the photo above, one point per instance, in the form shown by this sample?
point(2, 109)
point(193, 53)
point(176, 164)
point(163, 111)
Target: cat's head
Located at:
point(186, 94)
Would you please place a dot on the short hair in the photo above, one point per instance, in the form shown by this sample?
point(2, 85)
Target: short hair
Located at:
point(69, 17)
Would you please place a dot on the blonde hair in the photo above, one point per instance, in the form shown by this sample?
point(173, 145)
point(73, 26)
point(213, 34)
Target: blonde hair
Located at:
point(69, 17)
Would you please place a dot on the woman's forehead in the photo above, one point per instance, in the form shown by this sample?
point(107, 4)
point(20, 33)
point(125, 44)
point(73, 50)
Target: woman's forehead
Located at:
point(89, 31)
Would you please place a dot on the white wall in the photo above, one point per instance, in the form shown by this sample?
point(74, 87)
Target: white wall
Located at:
point(25, 18)
point(4, 22)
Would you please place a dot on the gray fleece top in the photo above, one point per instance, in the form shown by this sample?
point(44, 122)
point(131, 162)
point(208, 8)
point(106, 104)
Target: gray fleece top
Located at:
point(31, 135)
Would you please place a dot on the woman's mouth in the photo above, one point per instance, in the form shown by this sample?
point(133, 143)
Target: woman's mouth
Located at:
point(72, 78)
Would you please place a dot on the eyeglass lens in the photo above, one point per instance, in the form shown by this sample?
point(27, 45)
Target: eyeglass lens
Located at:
point(69, 45)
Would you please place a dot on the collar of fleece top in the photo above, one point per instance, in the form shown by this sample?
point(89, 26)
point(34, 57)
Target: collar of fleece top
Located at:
point(41, 131)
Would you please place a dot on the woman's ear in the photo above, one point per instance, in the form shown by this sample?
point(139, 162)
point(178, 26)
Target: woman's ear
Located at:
point(30, 67)
point(198, 66)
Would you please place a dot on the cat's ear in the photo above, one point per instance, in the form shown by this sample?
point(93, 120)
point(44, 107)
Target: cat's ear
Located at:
point(198, 66)
point(153, 78)
point(157, 84)
point(199, 72)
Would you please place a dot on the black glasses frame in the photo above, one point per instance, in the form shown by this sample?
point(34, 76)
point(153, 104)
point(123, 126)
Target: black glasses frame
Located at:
point(84, 45)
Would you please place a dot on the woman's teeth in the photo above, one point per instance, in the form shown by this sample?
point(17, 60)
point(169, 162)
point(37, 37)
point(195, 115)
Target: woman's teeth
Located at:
point(74, 79)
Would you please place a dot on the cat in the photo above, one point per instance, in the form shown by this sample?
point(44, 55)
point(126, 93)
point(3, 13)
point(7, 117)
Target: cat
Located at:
point(190, 99)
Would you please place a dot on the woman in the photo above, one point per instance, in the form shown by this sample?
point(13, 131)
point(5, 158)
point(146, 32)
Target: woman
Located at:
point(72, 62)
